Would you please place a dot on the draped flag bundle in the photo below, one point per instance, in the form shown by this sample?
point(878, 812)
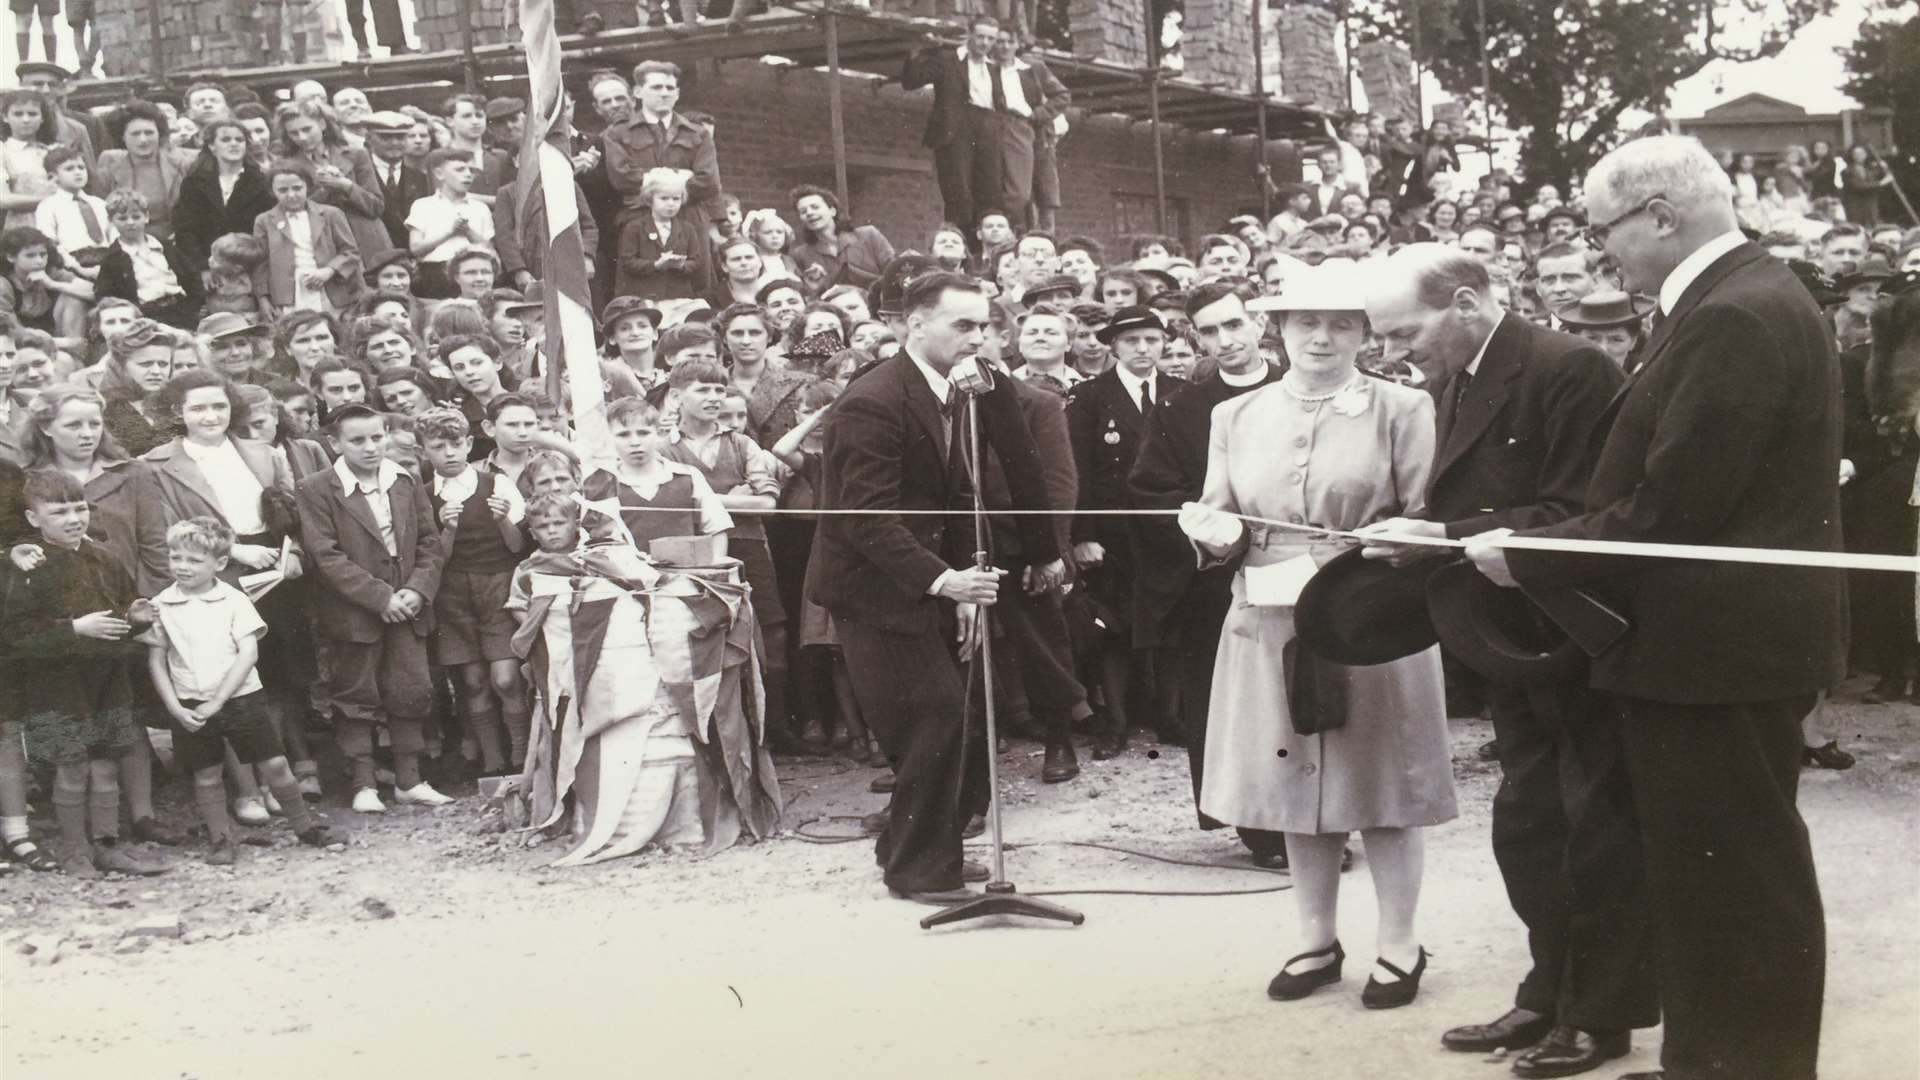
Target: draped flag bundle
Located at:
point(549, 219)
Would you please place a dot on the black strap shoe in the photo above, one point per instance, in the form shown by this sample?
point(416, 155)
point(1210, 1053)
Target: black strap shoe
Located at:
point(1568, 1051)
point(1288, 986)
point(1379, 995)
point(1518, 1028)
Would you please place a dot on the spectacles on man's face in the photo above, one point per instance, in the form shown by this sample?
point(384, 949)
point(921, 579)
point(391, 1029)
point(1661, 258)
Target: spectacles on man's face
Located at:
point(1597, 234)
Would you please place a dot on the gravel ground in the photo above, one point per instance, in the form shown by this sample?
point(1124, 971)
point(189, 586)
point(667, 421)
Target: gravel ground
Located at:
point(437, 946)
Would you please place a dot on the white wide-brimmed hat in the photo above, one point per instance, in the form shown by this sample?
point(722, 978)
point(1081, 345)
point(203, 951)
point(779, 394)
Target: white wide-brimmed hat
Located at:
point(1334, 285)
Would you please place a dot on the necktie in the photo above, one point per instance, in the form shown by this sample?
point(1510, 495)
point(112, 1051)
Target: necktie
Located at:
point(1457, 394)
point(946, 425)
point(999, 88)
point(1146, 396)
point(94, 232)
point(393, 176)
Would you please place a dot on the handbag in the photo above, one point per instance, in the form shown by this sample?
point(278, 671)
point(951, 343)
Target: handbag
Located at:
point(1316, 690)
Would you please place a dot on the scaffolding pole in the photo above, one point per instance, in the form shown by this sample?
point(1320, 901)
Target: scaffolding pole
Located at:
point(836, 117)
point(1260, 111)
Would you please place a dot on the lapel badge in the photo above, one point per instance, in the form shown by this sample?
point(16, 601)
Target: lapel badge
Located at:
point(1113, 437)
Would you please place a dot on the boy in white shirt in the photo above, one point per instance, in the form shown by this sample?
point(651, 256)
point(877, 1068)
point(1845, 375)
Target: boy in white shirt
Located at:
point(201, 653)
point(76, 221)
point(446, 223)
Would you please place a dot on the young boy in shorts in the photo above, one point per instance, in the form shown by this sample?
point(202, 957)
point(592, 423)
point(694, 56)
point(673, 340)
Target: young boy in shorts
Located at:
point(65, 627)
point(480, 514)
point(377, 552)
point(201, 653)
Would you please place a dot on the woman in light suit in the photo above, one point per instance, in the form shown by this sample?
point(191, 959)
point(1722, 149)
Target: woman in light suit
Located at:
point(150, 164)
point(212, 471)
point(1325, 446)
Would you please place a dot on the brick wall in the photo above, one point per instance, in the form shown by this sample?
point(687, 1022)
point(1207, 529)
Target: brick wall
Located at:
point(438, 26)
point(770, 119)
point(1310, 68)
point(194, 34)
point(1386, 70)
point(1112, 30)
point(1217, 45)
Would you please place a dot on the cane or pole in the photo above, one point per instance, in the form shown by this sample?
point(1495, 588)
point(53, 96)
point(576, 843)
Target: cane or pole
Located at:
point(1000, 898)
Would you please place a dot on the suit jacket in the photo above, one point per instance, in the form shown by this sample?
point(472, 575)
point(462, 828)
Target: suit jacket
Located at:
point(357, 575)
point(203, 216)
point(333, 246)
point(116, 275)
point(396, 200)
point(516, 255)
point(632, 148)
point(640, 246)
point(1169, 469)
point(1046, 95)
point(1106, 425)
point(1046, 415)
point(114, 170)
point(883, 452)
point(364, 204)
point(183, 490)
point(1728, 433)
point(1518, 451)
point(941, 68)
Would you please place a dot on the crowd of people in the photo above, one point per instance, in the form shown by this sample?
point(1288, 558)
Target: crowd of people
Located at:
point(287, 459)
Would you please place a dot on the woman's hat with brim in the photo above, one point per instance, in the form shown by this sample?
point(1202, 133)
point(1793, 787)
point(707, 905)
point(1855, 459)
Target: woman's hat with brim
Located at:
point(226, 324)
point(1332, 285)
point(1168, 283)
point(621, 307)
point(534, 299)
point(1816, 282)
point(1874, 268)
point(1361, 611)
point(1498, 632)
point(1130, 318)
point(815, 350)
point(1608, 308)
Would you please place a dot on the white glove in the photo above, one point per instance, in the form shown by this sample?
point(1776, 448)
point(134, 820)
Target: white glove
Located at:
point(1209, 527)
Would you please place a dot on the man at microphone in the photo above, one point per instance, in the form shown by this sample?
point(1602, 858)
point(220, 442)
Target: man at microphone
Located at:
point(904, 593)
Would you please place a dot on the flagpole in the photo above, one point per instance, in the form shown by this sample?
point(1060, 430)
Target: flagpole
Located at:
point(546, 172)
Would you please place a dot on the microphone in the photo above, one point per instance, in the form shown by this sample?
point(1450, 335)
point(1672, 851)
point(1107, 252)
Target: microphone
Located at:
point(972, 376)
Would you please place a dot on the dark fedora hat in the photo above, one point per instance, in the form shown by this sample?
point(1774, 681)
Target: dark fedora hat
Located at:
point(1361, 611)
point(1496, 631)
point(1130, 318)
point(1874, 267)
point(1608, 307)
point(1166, 281)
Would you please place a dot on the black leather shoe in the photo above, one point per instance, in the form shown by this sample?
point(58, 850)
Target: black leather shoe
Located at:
point(973, 871)
point(1655, 1074)
point(1287, 986)
point(1568, 1051)
point(1829, 756)
point(935, 897)
point(1109, 745)
point(1518, 1028)
point(1379, 995)
point(976, 825)
point(1061, 764)
point(875, 823)
point(882, 784)
point(1887, 689)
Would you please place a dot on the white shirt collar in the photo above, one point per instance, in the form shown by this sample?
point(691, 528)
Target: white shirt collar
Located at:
point(1694, 265)
point(1473, 366)
point(1131, 382)
point(389, 475)
point(467, 480)
point(201, 453)
point(941, 386)
point(173, 594)
point(1252, 378)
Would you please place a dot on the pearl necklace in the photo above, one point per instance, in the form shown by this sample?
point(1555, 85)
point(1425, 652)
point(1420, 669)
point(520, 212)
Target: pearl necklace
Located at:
point(1313, 399)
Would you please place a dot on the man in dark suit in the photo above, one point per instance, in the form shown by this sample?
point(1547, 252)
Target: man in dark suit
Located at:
point(400, 183)
point(1024, 126)
point(1177, 608)
point(1107, 415)
point(1727, 434)
point(1517, 407)
point(902, 590)
point(963, 125)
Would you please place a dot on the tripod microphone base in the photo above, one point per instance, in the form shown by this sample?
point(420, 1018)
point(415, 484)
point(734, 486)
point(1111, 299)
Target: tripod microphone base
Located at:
point(1002, 899)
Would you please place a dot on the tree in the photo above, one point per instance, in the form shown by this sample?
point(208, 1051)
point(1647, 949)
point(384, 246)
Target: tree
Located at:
point(1883, 71)
point(1564, 72)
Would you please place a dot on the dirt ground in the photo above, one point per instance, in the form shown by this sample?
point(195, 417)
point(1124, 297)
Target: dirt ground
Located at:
point(437, 946)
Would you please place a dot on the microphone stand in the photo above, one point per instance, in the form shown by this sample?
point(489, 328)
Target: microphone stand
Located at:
point(1000, 898)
